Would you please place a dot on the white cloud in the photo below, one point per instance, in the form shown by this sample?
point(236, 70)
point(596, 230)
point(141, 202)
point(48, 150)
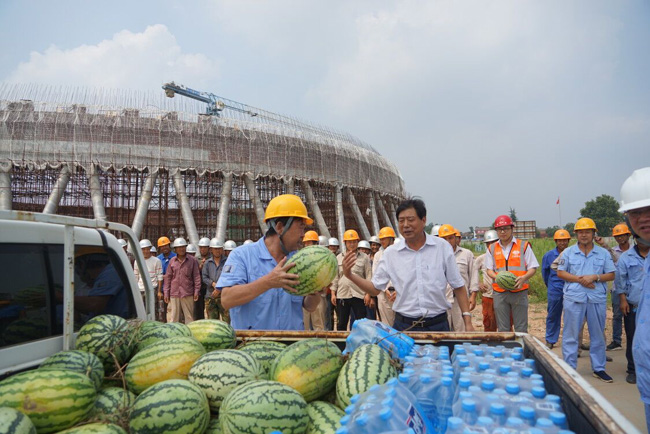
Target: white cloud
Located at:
point(127, 60)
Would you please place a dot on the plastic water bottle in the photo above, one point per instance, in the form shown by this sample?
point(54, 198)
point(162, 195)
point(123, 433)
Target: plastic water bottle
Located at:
point(527, 414)
point(455, 425)
point(468, 412)
point(515, 423)
point(559, 420)
point(445, 400)
point(365, 331)
point(485, 424)
point(426, 391)
point(498, 413)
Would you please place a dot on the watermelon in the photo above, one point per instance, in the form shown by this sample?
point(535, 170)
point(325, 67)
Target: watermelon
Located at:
point(163, 360)
point(95, 428)
point(13, 421)
point(310, 366)
point(218, 372)
point(182, 329)
point(368, 365)
point(260, 407)
point(25, 330)
point(506, 280)
point(316, 267)
point(264, 352)
point(53, 400)
point(149, 334)
point(112, 404)
point(213, 334)
point(172, 406)
point(35, 296)
point(79, 361)
point(214, 427)
point(324, 418)
point(108, 337)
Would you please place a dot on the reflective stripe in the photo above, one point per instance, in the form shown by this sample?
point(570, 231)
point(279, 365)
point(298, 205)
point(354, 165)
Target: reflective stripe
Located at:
point(513, 263)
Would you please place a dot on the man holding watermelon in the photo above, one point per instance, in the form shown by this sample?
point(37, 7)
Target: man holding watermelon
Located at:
point(255, 276)
point(419, 269)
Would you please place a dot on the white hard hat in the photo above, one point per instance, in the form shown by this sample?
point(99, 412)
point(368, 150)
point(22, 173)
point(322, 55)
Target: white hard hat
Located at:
point(248, 242)
point(635, 192)
point(179, 242)
point(204, 242)
point(230, 245)
point(122, 242)
point(216, 243)
point(490, 235)
point(145, 243)
point(333, 242)
point(153, 249)
point(191, 249)
point(435, 229)
point(374, 239)
point(363, 244)
point(322, 240)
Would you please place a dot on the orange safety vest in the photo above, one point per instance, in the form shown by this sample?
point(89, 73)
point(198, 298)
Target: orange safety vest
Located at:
point(513, 263)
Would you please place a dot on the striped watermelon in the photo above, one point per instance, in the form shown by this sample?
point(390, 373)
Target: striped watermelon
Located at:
point(79, 361)
point(506, 280)
point(34, 296)
point(113, 404)
point(263, 406)
point(95, 428)
point(164, 360)
point(310, 366)
point(219, 372)
point(160, 332)
point(106, 336)
point(368, 365)
point(25, 330)
point(214, 427)
point(173, 406)
point(213, 334)
point(316, 267)
point(13, 421)
point(264, 352)
point(53, 400)
point(182, 329)
point(324, 418)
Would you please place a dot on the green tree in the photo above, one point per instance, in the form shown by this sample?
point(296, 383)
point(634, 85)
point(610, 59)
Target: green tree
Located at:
point(604, 212)
point(428, 228)
point(513, 214)
point(569, 228)
point(551, 230)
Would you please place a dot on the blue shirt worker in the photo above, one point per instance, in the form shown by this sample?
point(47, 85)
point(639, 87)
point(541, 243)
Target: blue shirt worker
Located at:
point(166, 254)
point(585, 268)
point(629, 281)
point(254, 277)
point(554, 287)
point(635, 204)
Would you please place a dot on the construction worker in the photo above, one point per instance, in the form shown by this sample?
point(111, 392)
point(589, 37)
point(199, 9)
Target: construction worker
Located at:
point(516, 256)
point(346, 295)
point(182, 282)
point(435, 229)
point(364, 247)
point(375, 245)
point(635, 204)
point(154, 270)
point(228, 247)
point(386, 298)
point(310, 238)
point(314, 320)
point(334, 245)
point(485, 285)
point(585, 269)
point(554, 286)
point(420, 269)
point(255, 277)
point(204, 252)
point(465, 262)
point(210, 275)
point(125, 246)
point(166, 254)
point(322, 240)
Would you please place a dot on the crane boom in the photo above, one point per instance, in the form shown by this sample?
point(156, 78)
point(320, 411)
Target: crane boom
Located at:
point(215, 103)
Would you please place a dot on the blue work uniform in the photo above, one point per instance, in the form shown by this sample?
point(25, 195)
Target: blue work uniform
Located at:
point(275, 309)
point(641, 346)
point(554, 296)
point(165, 260)
point(108, 283)
point(580, 301)
point(629, 281)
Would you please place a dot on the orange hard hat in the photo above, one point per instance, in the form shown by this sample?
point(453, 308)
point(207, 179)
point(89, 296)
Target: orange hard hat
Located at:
point(162, 241)
point(620, 229)
point(446, 230)
point(585, 223)
point(310, 236)
point(387, 232)
point(503, 220)
point(350, 235)
point(457, 232)
point(561, 234)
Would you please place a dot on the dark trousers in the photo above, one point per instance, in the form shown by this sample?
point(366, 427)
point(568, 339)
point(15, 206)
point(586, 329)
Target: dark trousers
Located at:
point(343, 307)
point(617, 320)
point(400, 325)
point(554, 317)
point(630, 327)
point(199, 305)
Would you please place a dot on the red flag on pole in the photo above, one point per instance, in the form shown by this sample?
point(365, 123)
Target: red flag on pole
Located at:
point(558, 201)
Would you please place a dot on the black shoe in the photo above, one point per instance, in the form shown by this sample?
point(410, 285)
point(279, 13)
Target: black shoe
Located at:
point(631, 378)
point(602, 376)
point(609, 359)
point(584, 347)
point(550, 345)
point(614, 346)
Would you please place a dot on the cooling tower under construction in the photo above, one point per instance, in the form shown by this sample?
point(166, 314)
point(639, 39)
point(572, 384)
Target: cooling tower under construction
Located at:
point(163, 168)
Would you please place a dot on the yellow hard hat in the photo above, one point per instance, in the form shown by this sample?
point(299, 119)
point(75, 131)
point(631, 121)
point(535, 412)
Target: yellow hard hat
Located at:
point(584, 223)
point(287, 205)
point(561, 234)
point(620, 229)
point(162, 241)
point(446, 230)
point(457, 232)
point(387, 232)
point(350, 235)
point(310, 236)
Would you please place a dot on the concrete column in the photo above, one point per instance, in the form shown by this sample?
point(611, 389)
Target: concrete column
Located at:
point(340, 216)
point(186, 210)
point(393, 218)
point(5, 186)
point(143, 204)
point(318, 217)
point(57, 191)
point(373, 213)
point(257, 203)
point(96, 193)
point(382, 211)
point(357, 214)
point(289, 186)
point(224, 207)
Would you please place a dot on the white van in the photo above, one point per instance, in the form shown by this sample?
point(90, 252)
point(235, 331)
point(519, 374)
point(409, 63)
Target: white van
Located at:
point(57, 272)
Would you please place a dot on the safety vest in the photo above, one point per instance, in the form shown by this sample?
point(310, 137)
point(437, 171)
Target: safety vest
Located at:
point(514, 262)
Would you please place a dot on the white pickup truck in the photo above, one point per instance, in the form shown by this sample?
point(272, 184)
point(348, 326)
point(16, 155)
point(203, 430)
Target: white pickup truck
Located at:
point(57, 272)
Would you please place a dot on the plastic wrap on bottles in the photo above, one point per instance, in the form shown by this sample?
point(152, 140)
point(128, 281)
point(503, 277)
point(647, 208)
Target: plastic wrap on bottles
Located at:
point(365, 331)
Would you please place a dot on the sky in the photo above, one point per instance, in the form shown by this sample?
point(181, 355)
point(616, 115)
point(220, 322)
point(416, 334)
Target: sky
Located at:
point(482, 105)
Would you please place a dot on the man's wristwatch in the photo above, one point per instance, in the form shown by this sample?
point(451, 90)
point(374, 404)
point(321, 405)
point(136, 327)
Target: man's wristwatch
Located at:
point(467, 314)
point(598, 278)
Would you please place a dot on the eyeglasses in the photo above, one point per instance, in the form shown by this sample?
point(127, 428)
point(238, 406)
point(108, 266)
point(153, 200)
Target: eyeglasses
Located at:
point(504, 229)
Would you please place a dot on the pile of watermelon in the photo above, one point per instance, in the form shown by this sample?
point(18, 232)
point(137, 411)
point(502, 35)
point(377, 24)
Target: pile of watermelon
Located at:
point(149, 377)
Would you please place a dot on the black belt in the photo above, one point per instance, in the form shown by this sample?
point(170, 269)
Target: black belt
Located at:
point(421, 322)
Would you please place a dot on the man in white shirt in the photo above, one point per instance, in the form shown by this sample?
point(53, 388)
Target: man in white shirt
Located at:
point(154, 269)
point(420, 269)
